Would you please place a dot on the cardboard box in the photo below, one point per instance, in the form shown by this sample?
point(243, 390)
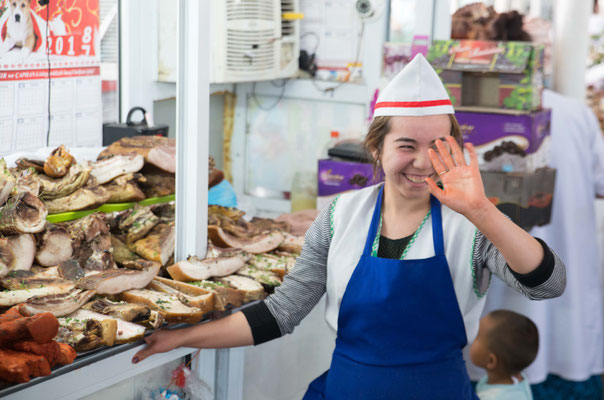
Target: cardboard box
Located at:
point(336, 177)
point(490, 74)
point(525, 197)
point(529, 131)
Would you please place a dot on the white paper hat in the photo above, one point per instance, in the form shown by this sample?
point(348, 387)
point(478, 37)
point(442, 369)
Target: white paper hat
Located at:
point(416, 90)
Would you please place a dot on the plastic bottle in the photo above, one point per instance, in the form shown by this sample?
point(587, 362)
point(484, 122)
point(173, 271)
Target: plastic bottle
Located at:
point(304, 191)
point(334, 138)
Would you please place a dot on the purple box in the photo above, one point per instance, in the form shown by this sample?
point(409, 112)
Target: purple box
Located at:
point(529, 131)
point(335, 177)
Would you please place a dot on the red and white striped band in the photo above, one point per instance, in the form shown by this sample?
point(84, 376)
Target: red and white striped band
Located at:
point(412, 104)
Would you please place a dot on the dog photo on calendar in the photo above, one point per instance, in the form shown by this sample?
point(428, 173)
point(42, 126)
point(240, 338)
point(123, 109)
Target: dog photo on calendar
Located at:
point(22, 31)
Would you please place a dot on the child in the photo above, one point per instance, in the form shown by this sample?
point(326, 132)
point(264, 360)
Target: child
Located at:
point(506, 344)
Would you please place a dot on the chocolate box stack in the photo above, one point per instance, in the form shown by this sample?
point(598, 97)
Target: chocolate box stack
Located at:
point(496, 89)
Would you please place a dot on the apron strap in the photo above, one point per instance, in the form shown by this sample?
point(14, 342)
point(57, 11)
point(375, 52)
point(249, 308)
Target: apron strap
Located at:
point(437, 226)
point(375, 222)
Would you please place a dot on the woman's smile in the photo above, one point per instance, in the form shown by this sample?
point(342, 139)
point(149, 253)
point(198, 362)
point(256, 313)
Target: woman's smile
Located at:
point(416, 180)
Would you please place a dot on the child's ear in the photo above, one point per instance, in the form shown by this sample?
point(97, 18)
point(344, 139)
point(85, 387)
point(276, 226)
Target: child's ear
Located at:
point(491, 362)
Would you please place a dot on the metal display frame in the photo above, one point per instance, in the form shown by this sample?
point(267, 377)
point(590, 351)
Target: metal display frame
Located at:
point(99, 370)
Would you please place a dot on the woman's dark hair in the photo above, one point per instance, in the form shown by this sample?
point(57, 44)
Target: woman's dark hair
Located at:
point(514, 339)
point(379, 128)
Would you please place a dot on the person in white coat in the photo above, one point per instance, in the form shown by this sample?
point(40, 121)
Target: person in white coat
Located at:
point(571, 355)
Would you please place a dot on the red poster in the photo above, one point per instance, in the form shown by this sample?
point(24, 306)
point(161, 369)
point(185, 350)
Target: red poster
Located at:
point(64, 31)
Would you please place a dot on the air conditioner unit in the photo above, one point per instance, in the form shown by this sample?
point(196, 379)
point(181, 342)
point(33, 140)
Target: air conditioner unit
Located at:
point(254, 40)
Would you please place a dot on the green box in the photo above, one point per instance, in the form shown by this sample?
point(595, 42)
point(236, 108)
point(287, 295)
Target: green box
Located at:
point(489, 74)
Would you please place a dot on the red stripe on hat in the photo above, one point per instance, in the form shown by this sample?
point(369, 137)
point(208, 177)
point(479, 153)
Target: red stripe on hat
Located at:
point(412, 104)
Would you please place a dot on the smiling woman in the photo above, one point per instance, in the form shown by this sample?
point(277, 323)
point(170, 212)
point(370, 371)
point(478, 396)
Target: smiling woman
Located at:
point(419, 255)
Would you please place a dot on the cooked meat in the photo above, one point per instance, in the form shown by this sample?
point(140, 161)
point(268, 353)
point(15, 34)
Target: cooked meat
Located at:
point(126, 331)
point(86, 334)
point(58, 305)
point(138, 264)
point(255, 245)
point(158, 151)
point(266, 278)
point(110, 168)
point(166, 212)
point(58, 163)
point(80, 340)
point(126, 311)
point(115, 281)
point(292, 244)
point(215, 176)
point(18, 251)
point(18, 366)
point(3, 270)
point(88, 227)
point(81, 199)
point(55, 353)
point(71, 270)
point(299, 221)
point(157, 184)
point(259, 226)
point(92, 243)
point(52, 188)
point(279, 264)
point(27, 181)
point(194, 269)
point(158, 245)
point(41, 328)
point(224, 294)
point(29, 163)
point(54, 246)
point(192, 296)
point(137, 223)
point(121, 253)
point(7, 182)
point(24, 213)
point(124, 189)
point(27, 290)
point(99, 261)
point(252, 289)
point(169, 304)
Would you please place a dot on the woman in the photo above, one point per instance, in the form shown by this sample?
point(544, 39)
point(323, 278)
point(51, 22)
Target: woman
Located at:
point(404, 276)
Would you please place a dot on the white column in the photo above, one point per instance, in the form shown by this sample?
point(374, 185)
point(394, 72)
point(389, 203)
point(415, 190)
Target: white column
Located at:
point(571, 20)
point(424, 12)
point(192, 142)
point(536, 8)
point(520, 5)
point(502, 5)
point(442, 20)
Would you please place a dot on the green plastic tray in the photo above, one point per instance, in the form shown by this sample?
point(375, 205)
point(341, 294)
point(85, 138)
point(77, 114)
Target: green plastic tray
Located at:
point(107, 208)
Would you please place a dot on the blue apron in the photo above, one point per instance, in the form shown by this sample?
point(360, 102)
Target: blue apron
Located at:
point(400, 331)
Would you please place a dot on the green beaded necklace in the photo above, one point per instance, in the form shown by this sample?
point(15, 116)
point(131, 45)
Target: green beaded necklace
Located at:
point(376, 241)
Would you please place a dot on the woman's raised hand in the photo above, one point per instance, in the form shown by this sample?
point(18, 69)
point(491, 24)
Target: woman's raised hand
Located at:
point(463, 190)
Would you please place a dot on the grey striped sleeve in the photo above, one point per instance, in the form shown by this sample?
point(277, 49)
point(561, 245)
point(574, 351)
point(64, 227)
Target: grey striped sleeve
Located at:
point(488, 260)
point(304, 286)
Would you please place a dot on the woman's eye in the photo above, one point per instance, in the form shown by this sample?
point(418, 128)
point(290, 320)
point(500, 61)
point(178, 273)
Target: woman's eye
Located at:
point(406, 147)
